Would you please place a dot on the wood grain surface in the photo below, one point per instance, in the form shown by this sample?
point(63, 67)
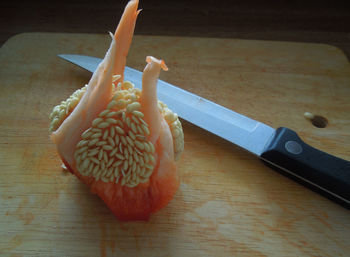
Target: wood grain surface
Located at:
point(228, 204)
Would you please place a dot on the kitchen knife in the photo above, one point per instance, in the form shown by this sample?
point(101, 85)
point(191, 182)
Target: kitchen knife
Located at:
point(280, 148)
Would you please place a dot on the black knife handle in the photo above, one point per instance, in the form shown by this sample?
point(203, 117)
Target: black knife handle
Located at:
point(321, 172)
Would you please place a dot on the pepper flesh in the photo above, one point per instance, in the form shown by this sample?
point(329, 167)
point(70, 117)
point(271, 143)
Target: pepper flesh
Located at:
point(127, 203)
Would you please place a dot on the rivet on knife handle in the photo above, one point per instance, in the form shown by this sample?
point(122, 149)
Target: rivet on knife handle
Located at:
point(322, 172)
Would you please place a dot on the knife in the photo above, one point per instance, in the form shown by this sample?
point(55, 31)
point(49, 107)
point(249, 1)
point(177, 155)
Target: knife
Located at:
point(279, 148)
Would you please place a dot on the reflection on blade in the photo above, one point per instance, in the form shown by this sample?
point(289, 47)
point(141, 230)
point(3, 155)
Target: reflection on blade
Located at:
point(234, 127)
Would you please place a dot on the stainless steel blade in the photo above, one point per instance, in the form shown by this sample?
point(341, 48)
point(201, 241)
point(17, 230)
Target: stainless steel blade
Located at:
point(234, 127)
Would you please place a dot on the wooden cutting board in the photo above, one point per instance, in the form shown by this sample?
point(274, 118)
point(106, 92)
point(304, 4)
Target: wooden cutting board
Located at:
point(228, 204)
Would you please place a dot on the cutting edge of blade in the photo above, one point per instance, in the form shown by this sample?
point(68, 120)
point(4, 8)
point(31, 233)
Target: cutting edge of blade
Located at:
point(86, 62)
point(252, 137)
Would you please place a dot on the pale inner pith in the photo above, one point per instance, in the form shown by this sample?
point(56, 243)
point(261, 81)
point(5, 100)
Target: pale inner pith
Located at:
point(115, 148)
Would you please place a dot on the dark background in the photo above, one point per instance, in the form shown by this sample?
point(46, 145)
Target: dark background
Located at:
point(301, 21)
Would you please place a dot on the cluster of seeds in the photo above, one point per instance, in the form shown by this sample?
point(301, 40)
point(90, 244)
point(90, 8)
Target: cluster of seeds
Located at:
point(176, 128)
point(115, 148)
point(61, 111)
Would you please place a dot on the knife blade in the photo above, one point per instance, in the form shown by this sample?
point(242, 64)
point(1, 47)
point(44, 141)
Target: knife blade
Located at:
point(281, 148)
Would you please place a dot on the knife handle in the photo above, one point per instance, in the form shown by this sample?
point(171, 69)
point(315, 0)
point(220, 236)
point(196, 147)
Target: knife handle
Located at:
point(321, 172)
